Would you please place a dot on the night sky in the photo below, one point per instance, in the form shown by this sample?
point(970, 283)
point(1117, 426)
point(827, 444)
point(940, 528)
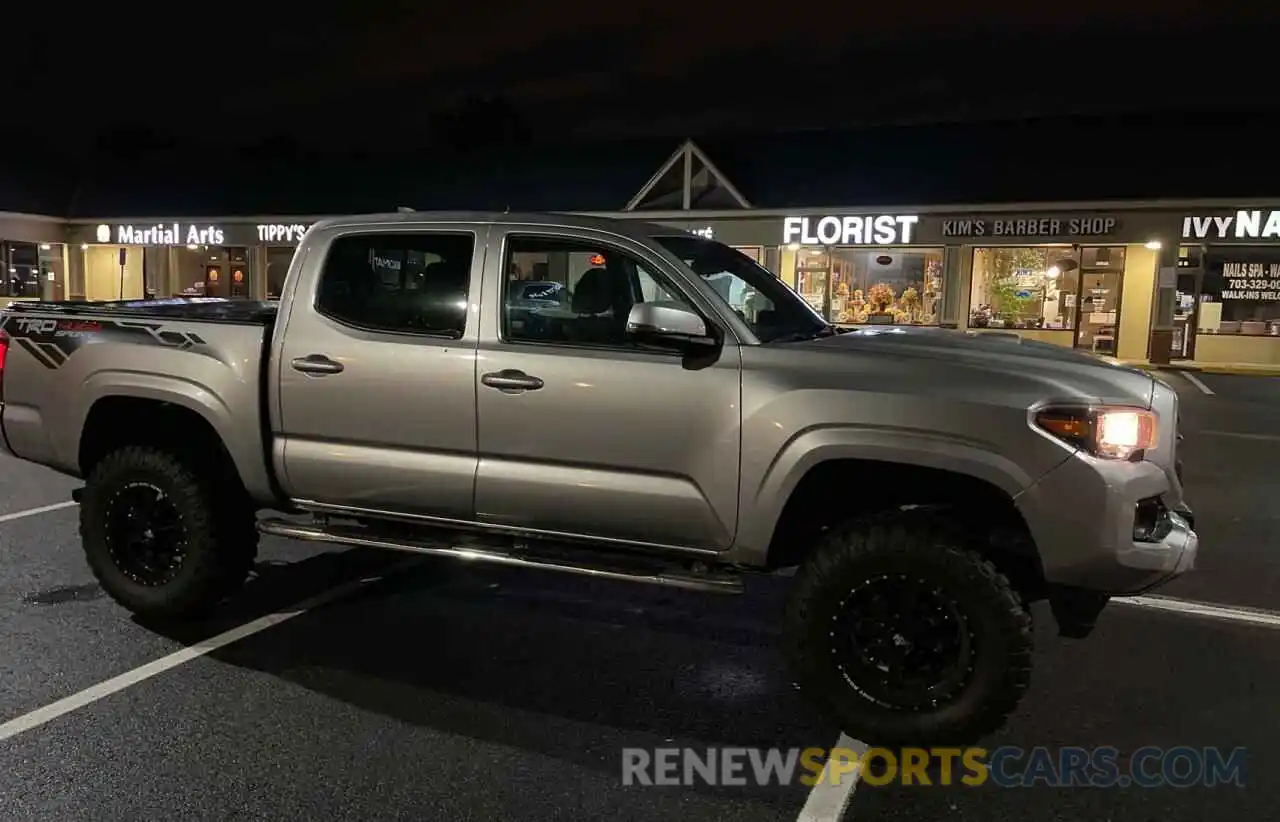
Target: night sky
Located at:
point(394, 75)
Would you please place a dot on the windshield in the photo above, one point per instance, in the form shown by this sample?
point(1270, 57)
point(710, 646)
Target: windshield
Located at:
point(774, 312)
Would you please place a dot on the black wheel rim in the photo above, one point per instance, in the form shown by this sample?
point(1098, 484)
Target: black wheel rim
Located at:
point(903, 643)
point(145, 534)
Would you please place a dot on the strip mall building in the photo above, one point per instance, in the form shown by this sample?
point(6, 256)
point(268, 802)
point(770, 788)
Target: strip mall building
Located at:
point(1157, 280)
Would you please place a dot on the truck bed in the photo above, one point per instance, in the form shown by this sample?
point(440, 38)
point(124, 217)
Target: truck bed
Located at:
point(68, 361)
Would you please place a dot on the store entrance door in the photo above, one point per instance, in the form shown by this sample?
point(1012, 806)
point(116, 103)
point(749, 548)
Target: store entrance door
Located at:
point(813, 280)
point(1098, 307)
point(215, 281)
point(1186, 314)
point(228, 274)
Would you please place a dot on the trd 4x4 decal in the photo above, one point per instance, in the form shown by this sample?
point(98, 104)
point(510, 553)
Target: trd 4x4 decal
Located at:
point(53, 340)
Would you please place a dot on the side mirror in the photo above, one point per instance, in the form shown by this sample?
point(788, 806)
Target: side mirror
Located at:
point(666, 323)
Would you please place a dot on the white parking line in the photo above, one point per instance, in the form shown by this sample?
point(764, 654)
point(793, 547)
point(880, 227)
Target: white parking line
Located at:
point(1197, 382)
point(1230, 613)
point(92, 694)
point(829, 798)
point(31, 512)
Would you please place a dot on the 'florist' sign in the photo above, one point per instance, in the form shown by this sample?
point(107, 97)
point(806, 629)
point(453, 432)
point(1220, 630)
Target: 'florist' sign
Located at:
point(883, 229)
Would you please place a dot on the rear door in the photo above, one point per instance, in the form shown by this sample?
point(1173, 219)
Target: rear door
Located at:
point(376, 370)
point(605, 439)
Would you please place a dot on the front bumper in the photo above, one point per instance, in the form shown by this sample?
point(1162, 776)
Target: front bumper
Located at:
point(1172, 556)
point(1088, 521)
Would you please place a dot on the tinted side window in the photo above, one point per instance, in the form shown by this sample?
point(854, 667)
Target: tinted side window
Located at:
point(560, 290)
point(411, 283)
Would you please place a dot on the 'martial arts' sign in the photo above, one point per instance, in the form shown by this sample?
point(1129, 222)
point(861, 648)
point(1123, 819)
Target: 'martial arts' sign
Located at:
point(160, 234)
point(1243, 225)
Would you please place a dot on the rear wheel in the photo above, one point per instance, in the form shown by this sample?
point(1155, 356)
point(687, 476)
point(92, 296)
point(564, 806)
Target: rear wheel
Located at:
point(161, 540)
point(905, 636)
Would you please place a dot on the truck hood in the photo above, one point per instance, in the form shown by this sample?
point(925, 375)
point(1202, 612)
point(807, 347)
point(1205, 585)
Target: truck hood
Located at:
point(991, 358)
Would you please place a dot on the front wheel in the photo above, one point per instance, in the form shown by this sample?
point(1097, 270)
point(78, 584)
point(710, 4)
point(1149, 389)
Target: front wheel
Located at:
point(905, 636)
point(161, 540)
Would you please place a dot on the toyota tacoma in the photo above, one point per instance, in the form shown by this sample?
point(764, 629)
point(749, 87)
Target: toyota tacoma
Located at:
point(677, 415)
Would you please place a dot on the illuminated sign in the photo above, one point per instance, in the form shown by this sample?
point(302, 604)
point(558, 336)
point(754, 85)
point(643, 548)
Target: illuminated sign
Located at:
point(1031, 227)
point(160, 234)
point(1251, 282)
point(281, 233)
point(706, 233)
point(1243, 225)
point(853, 230)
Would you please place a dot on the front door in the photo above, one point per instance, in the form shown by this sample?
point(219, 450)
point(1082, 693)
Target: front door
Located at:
point(226, 273)
point(583, 432)
point(215, 280)
point(1098, 306)
point(1186, 314)
point(377, 374)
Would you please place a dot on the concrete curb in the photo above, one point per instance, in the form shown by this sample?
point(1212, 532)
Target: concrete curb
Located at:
point(1246, 370)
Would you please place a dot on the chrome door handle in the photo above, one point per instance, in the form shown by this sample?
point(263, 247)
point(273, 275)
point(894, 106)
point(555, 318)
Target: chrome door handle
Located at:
point(316, 364)
point(511, 381)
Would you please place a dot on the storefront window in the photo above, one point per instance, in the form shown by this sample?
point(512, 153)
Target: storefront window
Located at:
point(25, 273)
point(1029, 288)
point(190, 276)
point(881, 286)
point(1241, 292)
point(278, 260)
point(114, 272)
point(210, 271)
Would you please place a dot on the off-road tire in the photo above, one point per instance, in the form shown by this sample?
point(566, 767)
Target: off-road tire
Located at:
point(221, 535)
point(920, 543)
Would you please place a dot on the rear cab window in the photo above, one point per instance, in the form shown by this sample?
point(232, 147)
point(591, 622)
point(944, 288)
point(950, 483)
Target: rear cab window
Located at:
point(401, 283)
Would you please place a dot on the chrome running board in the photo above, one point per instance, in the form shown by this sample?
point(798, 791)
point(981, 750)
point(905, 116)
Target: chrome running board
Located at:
point(708, 581)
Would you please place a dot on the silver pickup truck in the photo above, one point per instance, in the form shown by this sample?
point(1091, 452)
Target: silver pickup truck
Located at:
point(659, 408)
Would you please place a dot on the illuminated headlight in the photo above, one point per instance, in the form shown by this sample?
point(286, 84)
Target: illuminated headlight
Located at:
point(1111, 433)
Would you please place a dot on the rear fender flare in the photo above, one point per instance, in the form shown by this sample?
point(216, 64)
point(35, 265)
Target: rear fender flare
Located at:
point(245, 450)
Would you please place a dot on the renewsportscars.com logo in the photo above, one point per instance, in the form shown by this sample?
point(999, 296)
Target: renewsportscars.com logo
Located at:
point(1006, 767)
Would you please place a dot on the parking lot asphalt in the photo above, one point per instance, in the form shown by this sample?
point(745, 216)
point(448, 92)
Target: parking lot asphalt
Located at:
point(450, 691)
point(1231, 453)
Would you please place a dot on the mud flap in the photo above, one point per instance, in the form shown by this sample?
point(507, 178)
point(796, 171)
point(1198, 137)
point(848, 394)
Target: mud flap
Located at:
point(1076, 610)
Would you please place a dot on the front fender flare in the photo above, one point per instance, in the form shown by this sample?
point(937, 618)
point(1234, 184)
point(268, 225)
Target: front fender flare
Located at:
point(765, 496)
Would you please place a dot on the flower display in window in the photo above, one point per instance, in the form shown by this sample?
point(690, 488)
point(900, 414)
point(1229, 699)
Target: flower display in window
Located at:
point(910, 301)
point(880, 296)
